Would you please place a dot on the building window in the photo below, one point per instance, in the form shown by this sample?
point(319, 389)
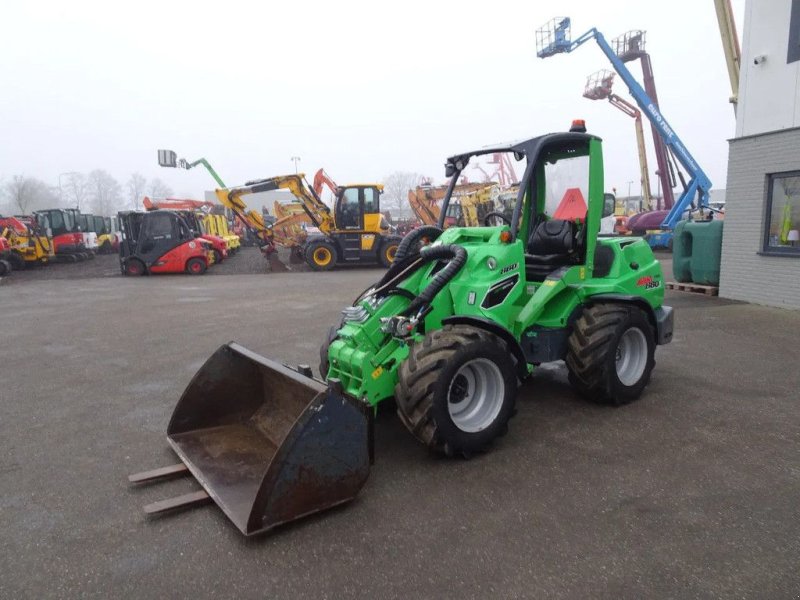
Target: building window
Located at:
point(782, 232)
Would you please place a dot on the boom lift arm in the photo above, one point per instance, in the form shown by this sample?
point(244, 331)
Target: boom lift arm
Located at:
point(554, 39)
point(598, 87)
point(730, 45)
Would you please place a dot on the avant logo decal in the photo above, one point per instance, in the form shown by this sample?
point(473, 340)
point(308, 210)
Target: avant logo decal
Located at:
point(648, 282)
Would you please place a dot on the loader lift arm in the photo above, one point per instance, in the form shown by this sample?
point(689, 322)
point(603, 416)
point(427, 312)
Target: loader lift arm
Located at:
point(554, 38)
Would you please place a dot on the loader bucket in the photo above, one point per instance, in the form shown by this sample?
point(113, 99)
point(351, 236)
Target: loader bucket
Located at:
point(268, 444)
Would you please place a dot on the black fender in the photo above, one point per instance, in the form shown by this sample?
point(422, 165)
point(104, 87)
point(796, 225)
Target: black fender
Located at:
point(498, 330)
point(328, 239)
point(661, 318)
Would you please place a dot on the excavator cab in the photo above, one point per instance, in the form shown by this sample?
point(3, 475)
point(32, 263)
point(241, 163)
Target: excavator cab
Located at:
point(358, 209)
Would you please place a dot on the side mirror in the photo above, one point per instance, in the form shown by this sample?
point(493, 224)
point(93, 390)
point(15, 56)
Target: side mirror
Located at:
point(167, 158)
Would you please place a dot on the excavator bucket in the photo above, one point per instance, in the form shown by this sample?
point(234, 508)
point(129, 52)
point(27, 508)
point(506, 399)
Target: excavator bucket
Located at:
point(268, 444)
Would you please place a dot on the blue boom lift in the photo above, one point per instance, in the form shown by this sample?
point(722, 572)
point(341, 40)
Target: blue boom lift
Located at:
point(554, 38)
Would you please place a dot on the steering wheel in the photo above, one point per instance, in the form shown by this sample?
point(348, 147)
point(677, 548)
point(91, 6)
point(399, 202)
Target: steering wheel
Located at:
point(498, 215)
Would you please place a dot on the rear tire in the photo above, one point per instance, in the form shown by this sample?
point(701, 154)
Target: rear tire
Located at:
point(321, 256)
point(5, 268)
point(217, 256)
point(611, 353)
point(196, 266)
point(134, 267)
point(387, 253)
point(456, 391)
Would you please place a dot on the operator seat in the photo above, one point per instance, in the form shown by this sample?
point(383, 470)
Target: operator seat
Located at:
point(552, 245)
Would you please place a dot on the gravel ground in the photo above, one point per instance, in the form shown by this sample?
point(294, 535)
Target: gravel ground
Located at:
point(248, 261)
point(691, 492)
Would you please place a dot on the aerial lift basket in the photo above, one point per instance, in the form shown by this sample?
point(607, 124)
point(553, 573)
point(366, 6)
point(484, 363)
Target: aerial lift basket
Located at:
point(267, 443)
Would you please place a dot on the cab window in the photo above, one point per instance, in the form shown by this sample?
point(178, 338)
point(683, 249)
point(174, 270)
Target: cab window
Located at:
point(349, 209)
point(370, 200)
point(161, 227)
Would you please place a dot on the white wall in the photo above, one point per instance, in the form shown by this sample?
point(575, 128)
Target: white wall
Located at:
point(768, 92)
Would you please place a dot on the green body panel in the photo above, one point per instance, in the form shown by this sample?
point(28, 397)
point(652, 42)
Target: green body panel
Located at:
point(366, 359)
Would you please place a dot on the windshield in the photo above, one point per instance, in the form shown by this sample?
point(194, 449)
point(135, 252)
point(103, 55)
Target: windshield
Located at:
point(488, 184)
point(60, 221)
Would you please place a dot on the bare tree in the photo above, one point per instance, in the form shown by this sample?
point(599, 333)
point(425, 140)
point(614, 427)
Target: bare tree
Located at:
point(158, 189)
point(26, 194)
point(136, 186)
point(396, 187)
point(76, 190)
point(105, 192)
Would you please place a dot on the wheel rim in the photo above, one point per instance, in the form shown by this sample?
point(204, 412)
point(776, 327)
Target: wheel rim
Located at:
point(322, 256)
point(475, 395)
point(631, 358)
point(390, 253)
point(196, 267)
point(133, 268)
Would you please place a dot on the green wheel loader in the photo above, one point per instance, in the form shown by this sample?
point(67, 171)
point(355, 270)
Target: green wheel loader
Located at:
point(457, 322)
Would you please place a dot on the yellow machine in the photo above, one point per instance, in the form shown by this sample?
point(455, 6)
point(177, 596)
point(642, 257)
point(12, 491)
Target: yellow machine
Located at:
point(354, 232)
point(470, 207)
point(476, 198)
point(30, 244)
point(232, 240)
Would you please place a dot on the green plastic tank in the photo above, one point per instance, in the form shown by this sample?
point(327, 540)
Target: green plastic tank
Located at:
point(681, 253)
point(707, 251)
point(697, 251)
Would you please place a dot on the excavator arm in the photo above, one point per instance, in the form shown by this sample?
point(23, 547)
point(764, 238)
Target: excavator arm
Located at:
point(425, 207)
point(177, 204)
point(314, 207)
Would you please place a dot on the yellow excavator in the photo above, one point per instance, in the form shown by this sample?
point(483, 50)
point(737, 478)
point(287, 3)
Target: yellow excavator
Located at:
point(28, 239)
point(354, 232)
point(471, 203)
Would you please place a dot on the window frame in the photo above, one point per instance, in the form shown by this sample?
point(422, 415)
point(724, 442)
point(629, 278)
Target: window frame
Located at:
point(769, 186)
point(793, 51)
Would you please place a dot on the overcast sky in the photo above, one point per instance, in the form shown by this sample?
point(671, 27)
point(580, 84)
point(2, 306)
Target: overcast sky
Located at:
point(360, 88)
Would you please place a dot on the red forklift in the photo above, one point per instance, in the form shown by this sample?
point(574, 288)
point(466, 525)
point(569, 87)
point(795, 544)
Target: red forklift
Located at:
point(161, 241)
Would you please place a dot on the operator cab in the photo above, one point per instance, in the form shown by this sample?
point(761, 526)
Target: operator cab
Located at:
point(358, 208)
point(556, 204)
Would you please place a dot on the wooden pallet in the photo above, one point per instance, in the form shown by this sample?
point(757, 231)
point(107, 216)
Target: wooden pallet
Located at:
point(696, 288)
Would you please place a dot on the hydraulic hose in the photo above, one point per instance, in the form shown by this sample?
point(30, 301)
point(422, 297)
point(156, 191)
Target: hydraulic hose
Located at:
point(408, 242)
point(457, 259)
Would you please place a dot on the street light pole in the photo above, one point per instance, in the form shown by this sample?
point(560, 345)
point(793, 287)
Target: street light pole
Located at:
point(295, 160)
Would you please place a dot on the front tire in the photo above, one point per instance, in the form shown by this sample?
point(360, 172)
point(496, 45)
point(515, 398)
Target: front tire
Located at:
point(134, 268)
point(456, 391)
point(611, 353)
point(387, 253)
point(196, 266)
point(321, 256)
